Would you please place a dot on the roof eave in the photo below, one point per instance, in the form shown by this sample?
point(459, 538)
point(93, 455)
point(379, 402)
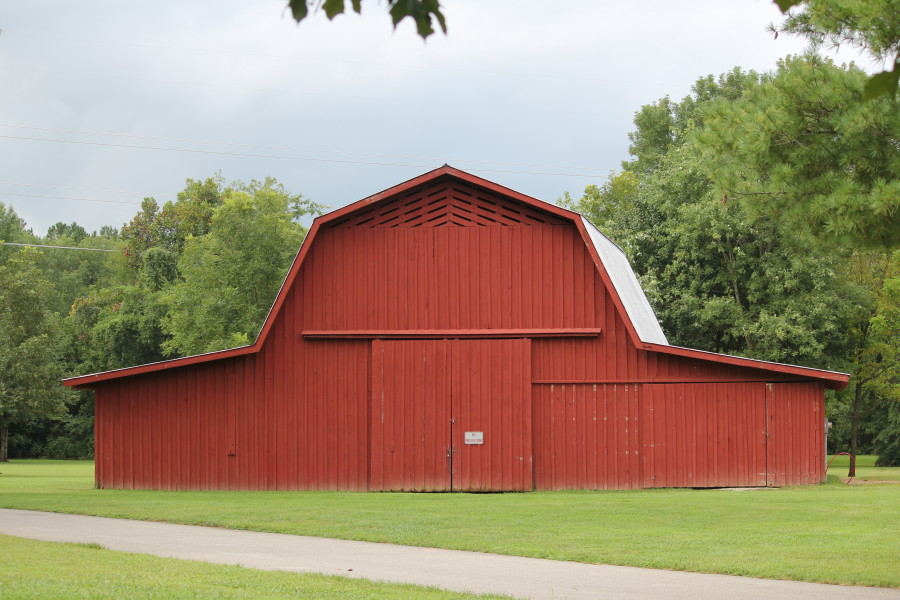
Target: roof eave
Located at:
point(833, 380)
point(85, 381)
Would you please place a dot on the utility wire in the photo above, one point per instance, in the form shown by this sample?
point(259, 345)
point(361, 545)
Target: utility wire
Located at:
point(57, 247)
point(282, 157)
point(297, 149)
point(84, 189)
point(69, 198)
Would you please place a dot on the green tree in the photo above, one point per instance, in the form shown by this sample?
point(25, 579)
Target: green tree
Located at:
point(115, 303)
point(109, 232)
point(191, 214)
point(609, 204)
point(61, 231)
point(12, 229)
point(141, 233)
point(75, 273)
point(718, 279)
point(798, 147)
point(887, 442)
point(876, 376)
point(30, 362)
point(169, 227)
point(232, 273)
point(113, 328)
point(870, 25)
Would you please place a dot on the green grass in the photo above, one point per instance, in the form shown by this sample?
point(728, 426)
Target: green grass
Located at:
point(865, 469)
point(42, 570)
point(832, 533)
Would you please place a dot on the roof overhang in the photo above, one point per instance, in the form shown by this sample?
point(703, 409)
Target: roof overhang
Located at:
point(832, 380)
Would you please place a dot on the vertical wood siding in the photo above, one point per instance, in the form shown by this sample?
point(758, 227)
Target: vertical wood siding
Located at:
point(704, 435)
point(350, 414)
point(586, 436)
point(491, 394)
point(219, 426)
point(410, 415)
point(449, 278)
point(796, 425)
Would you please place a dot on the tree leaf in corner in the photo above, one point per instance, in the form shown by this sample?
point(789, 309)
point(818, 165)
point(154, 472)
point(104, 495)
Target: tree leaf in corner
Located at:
point(299, 10)
point(333, 8)
point(786, 5)
point(882, 83)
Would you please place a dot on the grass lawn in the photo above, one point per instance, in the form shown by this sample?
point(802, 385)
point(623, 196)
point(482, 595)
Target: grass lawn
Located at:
point(829, 533)
point(41, 570)
point(865, 469)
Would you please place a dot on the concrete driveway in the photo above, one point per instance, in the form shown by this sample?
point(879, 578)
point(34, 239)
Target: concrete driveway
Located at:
point(450, 569)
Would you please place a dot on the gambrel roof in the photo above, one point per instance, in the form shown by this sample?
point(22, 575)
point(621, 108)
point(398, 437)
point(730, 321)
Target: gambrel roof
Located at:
point(611, 262)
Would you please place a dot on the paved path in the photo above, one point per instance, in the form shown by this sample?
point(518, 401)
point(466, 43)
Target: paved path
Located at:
point(450, 569)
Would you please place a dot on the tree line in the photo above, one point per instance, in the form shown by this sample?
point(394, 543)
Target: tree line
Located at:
point(193, 275)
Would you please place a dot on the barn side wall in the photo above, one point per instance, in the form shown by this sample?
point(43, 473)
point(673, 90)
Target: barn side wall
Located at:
point(296, 415)
point(293, 416)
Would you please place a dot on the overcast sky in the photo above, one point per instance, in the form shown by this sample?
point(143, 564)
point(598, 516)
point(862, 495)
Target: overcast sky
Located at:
point(105, 102)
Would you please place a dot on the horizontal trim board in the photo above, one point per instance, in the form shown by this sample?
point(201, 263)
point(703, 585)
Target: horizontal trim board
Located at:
point(659, 380)
point(400, 334)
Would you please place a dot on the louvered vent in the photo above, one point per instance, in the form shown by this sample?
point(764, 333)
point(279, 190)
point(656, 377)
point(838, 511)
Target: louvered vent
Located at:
point(449, 204)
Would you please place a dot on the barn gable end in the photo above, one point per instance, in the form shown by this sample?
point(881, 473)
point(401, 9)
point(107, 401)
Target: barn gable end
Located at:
point(443, 307)
point(447, 202)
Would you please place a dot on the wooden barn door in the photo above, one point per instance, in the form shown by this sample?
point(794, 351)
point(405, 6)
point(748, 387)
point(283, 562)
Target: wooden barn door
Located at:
point(795, 423)
point(491, 415)
point(410, 416)
point(451, 415)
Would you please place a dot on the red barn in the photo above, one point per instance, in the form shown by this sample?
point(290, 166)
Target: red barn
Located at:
point(451, 334)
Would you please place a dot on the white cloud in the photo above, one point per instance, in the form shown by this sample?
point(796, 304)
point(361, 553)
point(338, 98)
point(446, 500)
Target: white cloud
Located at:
point(514, 80)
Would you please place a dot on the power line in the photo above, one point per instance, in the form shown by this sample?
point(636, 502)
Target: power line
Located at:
point(85, 189)
point(282, 157)
point(217, 152)
point(300, 149)
point(57, 247)
point(69, 198)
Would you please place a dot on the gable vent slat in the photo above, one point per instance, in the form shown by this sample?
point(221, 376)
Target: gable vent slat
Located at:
point(449, 204)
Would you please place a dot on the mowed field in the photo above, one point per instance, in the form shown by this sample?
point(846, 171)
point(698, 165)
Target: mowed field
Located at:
point(832, 533)
point(31, 570)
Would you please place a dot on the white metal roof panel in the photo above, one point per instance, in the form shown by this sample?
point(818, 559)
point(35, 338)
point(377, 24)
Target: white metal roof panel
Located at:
point(627, 286)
